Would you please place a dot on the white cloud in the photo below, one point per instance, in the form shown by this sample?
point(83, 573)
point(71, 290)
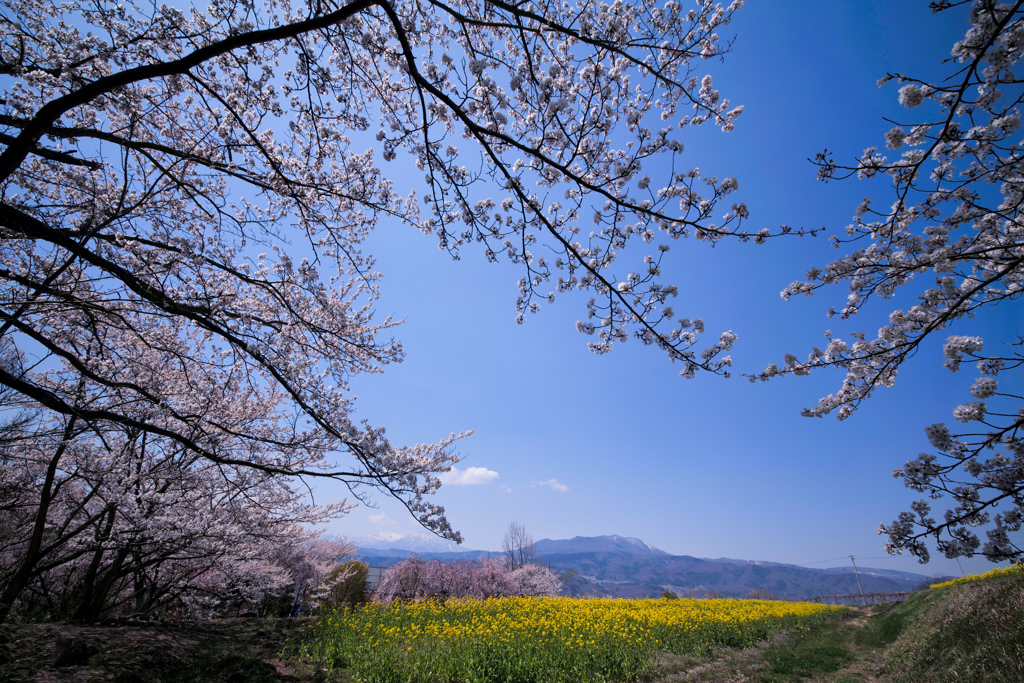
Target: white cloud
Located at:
point(552, 484)
point(506, 489)
point(468, 477)
point(381, 518)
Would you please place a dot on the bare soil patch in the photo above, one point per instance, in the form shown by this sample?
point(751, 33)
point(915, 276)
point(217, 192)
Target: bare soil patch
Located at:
point(222, 650)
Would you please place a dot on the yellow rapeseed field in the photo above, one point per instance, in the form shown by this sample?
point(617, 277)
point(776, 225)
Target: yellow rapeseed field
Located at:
point(538, 639)
point(995, 573)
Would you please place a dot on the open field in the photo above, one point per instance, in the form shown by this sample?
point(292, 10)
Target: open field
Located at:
point(540, 639)
point(972, 631)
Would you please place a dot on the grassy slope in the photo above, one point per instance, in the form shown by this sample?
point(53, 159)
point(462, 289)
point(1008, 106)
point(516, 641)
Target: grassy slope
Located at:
point(968, 633)
point(973, 632)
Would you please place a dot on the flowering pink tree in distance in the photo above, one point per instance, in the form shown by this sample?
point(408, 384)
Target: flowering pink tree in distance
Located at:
point(417, 579)
point(955, 215)
point(534, 579)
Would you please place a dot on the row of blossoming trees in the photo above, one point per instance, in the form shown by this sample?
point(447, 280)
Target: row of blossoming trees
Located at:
point(184, 193)
point(418, 579)
point(103, 523)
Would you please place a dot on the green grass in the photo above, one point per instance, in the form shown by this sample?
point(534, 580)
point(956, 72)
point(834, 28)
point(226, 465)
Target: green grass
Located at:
point(819, 649)
point(969, 632)
point(963, 633)
point(883, 628)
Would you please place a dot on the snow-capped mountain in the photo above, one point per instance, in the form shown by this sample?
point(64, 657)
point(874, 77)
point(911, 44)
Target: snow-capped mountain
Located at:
point(420, 542)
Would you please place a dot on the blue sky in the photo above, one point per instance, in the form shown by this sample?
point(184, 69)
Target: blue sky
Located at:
point(589, 445)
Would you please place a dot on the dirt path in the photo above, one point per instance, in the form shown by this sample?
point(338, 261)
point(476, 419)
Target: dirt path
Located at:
point(731, 665)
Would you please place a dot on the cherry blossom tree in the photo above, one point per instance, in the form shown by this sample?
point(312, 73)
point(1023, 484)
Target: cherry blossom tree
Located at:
point(313, 572)
point(415, 579)
point(955, 215)
point(402, 581)
point(184, 195)
point(105, 522)
point(534, 579)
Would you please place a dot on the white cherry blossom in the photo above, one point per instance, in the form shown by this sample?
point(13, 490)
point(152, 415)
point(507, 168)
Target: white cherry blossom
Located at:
point(955, 216)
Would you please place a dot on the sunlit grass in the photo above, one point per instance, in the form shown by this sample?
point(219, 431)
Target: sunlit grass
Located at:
point(538, 639)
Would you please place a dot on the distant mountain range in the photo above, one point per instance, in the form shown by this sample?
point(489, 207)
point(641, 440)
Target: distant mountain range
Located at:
point(620, 566)
point(597, 544)
point(422, 542)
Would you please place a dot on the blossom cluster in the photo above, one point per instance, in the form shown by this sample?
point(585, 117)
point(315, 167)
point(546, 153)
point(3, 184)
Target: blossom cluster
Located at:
point(185, 193)
point(415, 579)
point(956, 220)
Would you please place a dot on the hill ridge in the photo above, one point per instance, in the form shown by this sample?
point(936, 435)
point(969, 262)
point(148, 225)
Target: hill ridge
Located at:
point(625, 566)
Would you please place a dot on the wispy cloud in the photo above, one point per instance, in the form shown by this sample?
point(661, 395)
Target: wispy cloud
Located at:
point(552, 484)
point(506, 489)
point(468, 477)
point(381, 518)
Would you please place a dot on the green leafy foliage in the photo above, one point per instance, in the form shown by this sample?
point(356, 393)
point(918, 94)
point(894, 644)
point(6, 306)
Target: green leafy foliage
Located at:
point(348, 584)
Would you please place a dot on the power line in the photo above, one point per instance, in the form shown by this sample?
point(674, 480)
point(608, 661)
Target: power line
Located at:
point(844, 557)
point(821, 561)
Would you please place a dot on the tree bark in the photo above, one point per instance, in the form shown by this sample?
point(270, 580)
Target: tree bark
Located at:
point(26, 568)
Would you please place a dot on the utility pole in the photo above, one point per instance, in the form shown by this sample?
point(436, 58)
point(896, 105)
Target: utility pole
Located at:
point(858, 581)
